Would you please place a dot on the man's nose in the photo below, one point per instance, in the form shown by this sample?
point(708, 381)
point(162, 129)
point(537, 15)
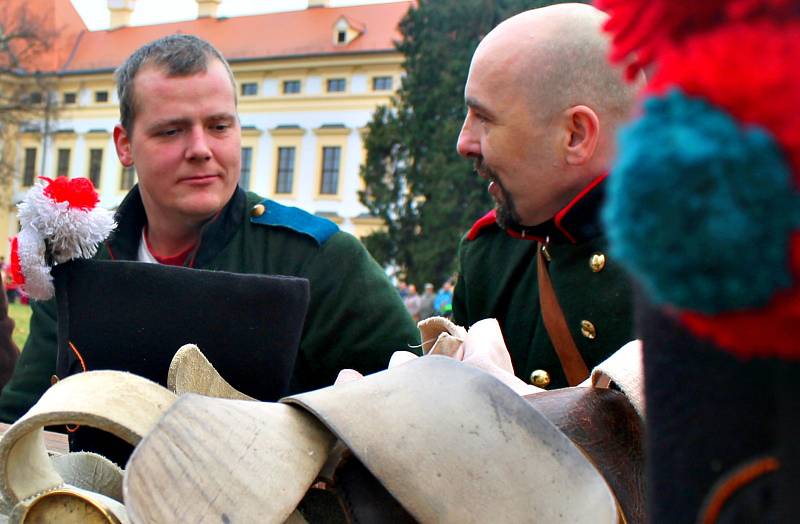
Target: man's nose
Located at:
point(198, 148)
point(468, 145)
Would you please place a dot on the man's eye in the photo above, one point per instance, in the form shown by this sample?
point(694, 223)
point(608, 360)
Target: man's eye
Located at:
point(168, 132)
point(220, 127)
point(480, 117)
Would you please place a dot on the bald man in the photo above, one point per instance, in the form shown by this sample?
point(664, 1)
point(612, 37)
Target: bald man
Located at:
point(543, 105)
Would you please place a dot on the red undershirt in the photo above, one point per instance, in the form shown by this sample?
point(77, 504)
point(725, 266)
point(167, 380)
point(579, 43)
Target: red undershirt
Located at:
point(173, 260)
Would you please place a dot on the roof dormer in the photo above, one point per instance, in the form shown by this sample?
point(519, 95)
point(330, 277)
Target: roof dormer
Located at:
point(345, 31)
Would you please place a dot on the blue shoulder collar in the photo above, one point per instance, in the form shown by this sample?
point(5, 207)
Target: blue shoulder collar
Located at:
point(278, 215)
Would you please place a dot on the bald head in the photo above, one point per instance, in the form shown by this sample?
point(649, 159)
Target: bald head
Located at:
point(543, 105)
point(558, 55)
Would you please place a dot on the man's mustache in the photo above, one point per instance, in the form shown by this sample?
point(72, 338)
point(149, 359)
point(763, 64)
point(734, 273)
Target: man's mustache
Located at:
point(483, 170)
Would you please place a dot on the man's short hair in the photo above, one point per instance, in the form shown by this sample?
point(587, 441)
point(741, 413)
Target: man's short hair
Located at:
point(177, 55)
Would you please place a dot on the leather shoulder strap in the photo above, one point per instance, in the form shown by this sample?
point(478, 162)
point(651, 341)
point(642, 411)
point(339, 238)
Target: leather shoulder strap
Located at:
point(571, 361)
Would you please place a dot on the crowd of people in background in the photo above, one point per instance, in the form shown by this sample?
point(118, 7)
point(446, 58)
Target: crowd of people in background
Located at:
point(428, 304)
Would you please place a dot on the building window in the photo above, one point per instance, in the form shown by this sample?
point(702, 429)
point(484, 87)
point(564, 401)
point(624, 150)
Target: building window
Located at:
point(35, 97)
point(341, 37)
point(70, 98)
point(382, 83)
point(336, 85)
point(329, 182)
point(249, 89)
point(247, 164)
point(127, 178)
point(29, 171)
point(283, 182)
point(95, 165)
point(63, 162)
point(291, 87)
point(101, 96)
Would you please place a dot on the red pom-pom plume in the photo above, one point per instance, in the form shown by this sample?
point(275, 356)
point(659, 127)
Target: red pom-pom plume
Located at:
point(78, 192)
point(641, 29)
point(14, 268)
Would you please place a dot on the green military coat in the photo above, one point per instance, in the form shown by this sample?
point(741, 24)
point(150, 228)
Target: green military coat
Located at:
point(497, 279)
point(355, 318)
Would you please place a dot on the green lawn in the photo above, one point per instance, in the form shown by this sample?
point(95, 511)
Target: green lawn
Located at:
point(22, 316)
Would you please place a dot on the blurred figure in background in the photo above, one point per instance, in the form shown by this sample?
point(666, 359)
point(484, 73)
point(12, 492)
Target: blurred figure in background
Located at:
point(443, 304)
point(426, 309)
point(413, 302)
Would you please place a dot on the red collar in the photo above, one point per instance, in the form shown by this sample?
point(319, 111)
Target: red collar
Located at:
point(567, 223)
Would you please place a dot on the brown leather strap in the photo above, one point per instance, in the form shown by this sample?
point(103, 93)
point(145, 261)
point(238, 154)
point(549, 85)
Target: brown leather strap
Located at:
point(571, 361)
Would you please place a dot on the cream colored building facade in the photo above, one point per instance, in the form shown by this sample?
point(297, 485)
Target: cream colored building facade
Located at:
point(303, 118)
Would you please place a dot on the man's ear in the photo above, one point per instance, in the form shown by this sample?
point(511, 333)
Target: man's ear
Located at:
point(582, 134)
point(123, 145)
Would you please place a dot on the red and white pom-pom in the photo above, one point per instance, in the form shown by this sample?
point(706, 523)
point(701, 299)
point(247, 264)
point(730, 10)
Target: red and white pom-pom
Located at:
point(59, 221)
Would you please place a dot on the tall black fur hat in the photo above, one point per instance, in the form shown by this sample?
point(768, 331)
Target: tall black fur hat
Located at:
point(722, 432)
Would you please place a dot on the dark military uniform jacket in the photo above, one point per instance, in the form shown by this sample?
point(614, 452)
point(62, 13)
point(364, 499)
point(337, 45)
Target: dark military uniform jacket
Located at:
point(355, 317)
point(497, 279)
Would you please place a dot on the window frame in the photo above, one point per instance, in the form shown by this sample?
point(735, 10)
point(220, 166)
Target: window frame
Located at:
point(245, 173)
point(98, 165)
point(29, 166)
point(336, 81)
point(284, 174)
point(293, 82)
point(327, 171)
point(376, 79)
point(244, 89)
point(59, 164)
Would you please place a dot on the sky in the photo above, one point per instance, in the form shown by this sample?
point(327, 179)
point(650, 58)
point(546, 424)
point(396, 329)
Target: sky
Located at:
point(95, 12)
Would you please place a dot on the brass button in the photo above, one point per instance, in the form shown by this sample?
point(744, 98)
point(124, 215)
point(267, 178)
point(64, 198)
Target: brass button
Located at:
point(258, 210)
point(597, 262)
point(53, 380)
point(540, 378)
point(588, 330)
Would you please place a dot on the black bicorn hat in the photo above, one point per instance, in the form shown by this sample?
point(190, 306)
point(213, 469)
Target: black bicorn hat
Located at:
point(134, 316)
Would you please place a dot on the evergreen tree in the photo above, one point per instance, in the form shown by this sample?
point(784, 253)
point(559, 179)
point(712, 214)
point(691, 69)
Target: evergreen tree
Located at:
point(414, 180)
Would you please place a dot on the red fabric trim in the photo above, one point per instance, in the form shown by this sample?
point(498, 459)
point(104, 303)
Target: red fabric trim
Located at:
point(490, 218)
point(734, 482)
point(563, 213)
point(482, 223)
point(520, 236)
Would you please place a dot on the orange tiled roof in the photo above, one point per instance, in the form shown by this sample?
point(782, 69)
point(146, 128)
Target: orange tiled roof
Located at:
point(48, 17)
point(273, 35)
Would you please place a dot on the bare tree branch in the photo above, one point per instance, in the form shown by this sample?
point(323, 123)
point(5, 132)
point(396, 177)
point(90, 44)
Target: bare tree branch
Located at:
point(27, 87)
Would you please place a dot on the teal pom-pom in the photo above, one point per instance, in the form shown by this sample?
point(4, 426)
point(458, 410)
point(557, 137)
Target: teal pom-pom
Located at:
point(700, 209)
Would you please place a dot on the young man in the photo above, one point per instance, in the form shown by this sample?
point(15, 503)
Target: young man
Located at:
point(180, 129)
point(543, 105)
